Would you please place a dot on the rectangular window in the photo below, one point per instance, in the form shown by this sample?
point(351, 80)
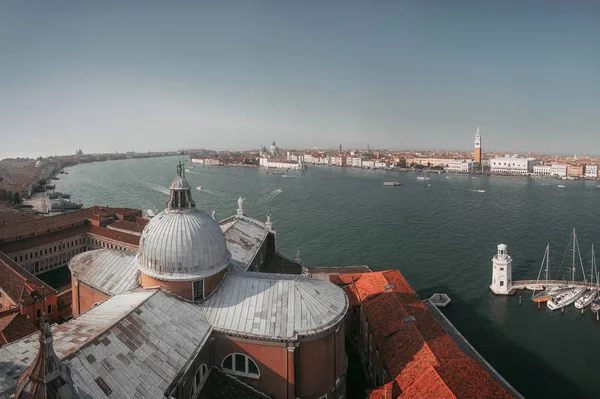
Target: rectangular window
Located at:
point(38, 313)
point(198, 290)
point(49, 309)
point(501, 283)
point(501, 269)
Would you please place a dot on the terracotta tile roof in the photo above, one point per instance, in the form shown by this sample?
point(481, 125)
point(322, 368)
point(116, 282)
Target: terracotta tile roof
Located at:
point(13, 327)
point(42, 224)
point(421, 358)
point(18, 284)
point(31, 242)
point(131, 239)
point(129, 226)
point(11, 217)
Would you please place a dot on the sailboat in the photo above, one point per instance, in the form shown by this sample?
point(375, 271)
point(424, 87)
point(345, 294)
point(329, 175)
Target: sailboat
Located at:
point(592, 293)
point(539, 294)
point(568, 296)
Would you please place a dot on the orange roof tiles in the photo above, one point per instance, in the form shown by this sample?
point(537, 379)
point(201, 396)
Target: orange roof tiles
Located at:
point(18, 284)
point(13, 327)
point(116, 235)
point(422, 360)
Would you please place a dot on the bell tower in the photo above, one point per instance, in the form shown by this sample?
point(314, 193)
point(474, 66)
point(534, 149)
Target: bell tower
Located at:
point(502, 272)
point(477, 157)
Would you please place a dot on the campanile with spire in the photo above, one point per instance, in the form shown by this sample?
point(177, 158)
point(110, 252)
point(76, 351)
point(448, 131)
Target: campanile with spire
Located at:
point(477, 157)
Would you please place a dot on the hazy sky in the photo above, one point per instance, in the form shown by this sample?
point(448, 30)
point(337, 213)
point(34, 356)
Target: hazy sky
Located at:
point(152, 75)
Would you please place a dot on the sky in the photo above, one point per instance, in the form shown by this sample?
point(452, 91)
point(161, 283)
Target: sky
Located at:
point(109, 76)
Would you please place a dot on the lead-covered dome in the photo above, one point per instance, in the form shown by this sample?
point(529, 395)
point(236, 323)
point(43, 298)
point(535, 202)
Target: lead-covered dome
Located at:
point(182, 243)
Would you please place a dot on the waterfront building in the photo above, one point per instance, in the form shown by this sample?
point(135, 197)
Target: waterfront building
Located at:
point(355, 162)
point(542, 170)
point(575, 170)
point(206, 161)
point(381, 165)
point(339, 161)
point(368, 164)
point(513, 165)
point(502, 272)
point(559, 169)
point(429, 162)
point(591, 171)
point(460, 166)
point(477, 154)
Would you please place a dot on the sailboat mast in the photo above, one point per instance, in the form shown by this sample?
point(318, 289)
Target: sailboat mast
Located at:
point(574, 241)
point(547, 264)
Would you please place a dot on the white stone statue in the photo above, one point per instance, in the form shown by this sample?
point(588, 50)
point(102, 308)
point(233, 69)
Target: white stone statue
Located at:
point(240, 210)
point(212, 214)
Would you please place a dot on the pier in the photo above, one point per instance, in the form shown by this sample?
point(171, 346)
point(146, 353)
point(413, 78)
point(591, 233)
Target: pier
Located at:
point(522, 284)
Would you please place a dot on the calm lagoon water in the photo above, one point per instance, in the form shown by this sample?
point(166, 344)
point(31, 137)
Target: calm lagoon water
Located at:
point(442, 238)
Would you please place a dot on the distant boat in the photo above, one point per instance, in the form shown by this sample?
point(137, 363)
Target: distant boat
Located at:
point(391, 183)
point(423, 178)
point(199, 188)
point(561, 186)
point(62, 204)
point(58, 194)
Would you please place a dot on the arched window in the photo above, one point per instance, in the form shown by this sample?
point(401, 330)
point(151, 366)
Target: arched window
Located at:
point(240, 364)
point(199, 379)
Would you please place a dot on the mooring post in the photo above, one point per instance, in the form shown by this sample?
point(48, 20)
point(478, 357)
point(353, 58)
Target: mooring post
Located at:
point(539, 305)
point(562, 309)
point(520, 299)
point(597, 316)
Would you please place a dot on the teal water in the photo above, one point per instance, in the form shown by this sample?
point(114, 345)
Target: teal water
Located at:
point(442, 238)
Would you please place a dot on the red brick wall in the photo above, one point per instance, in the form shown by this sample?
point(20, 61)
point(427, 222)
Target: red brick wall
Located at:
point(316, 373)
point(84, 297)
point(271, 362)
point(183, 289)
point(30, 310)
point(212, 282)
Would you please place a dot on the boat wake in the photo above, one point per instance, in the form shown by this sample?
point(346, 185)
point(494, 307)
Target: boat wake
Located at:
point(270, 196)
point(158, 188)
point(213, 192)
point(196, 173)
point(477, 191)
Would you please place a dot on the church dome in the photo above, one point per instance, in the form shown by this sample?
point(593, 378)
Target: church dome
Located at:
point(273, 149)
point(182, 243)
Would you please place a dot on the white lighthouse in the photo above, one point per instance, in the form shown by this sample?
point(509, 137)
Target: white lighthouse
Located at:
point(502, 272)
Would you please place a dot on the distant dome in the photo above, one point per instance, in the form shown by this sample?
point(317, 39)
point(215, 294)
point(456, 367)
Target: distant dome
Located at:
point(182, 243)
point(273, 149)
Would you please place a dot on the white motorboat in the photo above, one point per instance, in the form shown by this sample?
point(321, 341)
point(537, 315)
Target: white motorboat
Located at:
point(591, 294)
point(566, 298)
point(561, 186)
point(423, 178)
point(391, 183)
point(199, 188)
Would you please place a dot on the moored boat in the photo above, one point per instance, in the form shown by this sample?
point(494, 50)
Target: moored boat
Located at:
point(58, 194)
point(391, 183)
point(565, 299)
point(591, 294)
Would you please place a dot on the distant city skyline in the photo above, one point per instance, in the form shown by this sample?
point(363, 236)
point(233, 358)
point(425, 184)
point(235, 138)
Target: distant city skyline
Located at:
point(132, 77)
